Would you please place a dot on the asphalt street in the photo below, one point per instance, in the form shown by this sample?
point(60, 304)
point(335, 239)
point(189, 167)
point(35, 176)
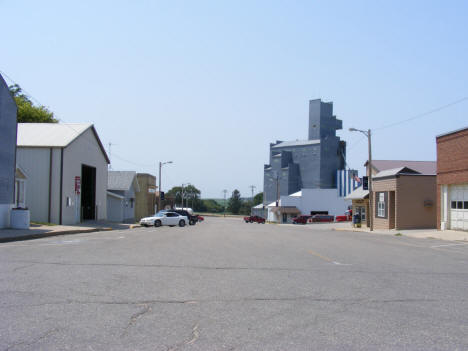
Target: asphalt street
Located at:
point(227, 285)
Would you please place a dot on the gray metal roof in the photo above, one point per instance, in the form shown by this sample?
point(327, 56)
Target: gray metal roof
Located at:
point(54, 135)
point(49, 134)
point(122, 180)
point(296, 143)
point(423, 167)
point(395, 171)
point(358, 194)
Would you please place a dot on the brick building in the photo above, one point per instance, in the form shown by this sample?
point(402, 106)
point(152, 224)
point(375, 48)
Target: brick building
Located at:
point(145, 199)
point(452, 180)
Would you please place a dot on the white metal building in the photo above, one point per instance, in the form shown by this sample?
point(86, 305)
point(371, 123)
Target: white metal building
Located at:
point(122, 188)
point(66, 166)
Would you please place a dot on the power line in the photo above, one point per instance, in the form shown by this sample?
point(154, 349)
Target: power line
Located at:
point(77, 133)
point(437, 109)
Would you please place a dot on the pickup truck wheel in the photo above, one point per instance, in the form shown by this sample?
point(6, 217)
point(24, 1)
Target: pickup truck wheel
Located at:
point(157, 223)
point(181, 223)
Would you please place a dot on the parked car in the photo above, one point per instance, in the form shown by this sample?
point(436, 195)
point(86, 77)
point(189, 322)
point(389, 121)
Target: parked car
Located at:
point(169, 218)
point(348, 216)
point(323, 218)
point(192, 218)
point(300, 219)
point(256, 219)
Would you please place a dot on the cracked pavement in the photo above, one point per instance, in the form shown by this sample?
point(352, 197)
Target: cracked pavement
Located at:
point(227, 285)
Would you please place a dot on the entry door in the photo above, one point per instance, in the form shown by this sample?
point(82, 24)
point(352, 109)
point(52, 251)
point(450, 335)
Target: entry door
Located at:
point(459, 207)
point(88, 192)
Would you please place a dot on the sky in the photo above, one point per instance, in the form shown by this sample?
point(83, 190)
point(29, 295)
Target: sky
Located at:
point(209, 84)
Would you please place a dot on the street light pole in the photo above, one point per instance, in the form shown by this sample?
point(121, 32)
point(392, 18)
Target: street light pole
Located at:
point(224, 210)
point(367, 133)
point(159, 198)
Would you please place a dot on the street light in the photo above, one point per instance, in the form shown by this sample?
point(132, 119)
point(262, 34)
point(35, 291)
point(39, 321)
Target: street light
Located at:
point(367, 133)
point(183, 193)
point(160, 166)
point(224, 209)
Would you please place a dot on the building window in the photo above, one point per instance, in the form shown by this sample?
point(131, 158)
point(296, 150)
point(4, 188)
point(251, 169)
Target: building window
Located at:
point(19, 194)
point(381, 205)
point(460, 205)
point(453, 204)
point(465, 205)
point(363, 213)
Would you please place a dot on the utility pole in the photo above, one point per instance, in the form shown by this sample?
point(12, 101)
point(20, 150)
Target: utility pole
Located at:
point(159, 198)
point(225, 192)
point(367, 133)
point(277, 189)
point(110, 156)
point(252, 187)
point(371, 195)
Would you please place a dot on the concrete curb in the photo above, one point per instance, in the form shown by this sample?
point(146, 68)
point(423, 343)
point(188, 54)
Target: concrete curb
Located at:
point(428, 236)
point(49, 234)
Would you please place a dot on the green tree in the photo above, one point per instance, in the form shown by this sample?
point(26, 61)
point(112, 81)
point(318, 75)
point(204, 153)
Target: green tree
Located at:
point(212, 206)
point(191, 196)
point(258, 199)
point(246, 207)
point(27, 111)
point(235, 202)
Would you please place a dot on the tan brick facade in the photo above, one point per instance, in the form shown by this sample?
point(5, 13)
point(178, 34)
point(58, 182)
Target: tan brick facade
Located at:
point(452, 162)
point(145, 199)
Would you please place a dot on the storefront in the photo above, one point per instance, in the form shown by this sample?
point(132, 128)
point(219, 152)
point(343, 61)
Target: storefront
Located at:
point(360, 205)
point(452, 180)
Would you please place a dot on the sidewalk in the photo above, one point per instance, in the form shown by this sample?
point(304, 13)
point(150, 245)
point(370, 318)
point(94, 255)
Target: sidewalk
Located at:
point(37, 231)
point(451, 235)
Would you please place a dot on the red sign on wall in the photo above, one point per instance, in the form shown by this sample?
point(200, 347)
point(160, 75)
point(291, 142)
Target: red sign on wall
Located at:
point(77, 185)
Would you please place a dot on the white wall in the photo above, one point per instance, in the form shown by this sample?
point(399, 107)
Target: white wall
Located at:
point(318, 200)
point(35, 163)
point(114, 209)
point(84, 150)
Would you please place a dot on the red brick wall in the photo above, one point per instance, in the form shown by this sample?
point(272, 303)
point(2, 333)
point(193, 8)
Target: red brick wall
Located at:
point(452, 162)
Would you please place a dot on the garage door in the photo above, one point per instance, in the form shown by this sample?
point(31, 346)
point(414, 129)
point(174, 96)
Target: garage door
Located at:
point(459, 207)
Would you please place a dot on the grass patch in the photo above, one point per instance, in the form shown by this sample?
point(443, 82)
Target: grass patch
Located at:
point(398, 234)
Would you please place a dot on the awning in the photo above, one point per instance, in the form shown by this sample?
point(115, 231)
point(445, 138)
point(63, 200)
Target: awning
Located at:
point(358, 194)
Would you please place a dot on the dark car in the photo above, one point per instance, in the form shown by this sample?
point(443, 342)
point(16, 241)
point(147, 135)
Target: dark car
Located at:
point(193, 219)
point(323, 218)
point(300, 219)
point(256, 219)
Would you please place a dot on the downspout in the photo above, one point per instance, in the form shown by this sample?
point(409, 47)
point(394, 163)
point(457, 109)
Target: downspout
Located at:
point(50, 186)
point(61, 183)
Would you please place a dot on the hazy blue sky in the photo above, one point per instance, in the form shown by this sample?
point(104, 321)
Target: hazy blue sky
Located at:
point(209, 84)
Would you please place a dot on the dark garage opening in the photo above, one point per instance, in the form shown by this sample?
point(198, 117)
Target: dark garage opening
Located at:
point(88, 192)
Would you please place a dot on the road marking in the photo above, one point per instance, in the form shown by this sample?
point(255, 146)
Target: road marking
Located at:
point(328, 259)
point(445, 245)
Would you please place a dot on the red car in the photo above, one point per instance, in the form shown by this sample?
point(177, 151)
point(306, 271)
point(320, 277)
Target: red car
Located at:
point(323, 218)
point(348, 216)
point(256, 219)
point(301, 219)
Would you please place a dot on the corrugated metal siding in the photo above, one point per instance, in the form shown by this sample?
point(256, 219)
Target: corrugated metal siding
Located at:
point(84, 150)
point(35, 162)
